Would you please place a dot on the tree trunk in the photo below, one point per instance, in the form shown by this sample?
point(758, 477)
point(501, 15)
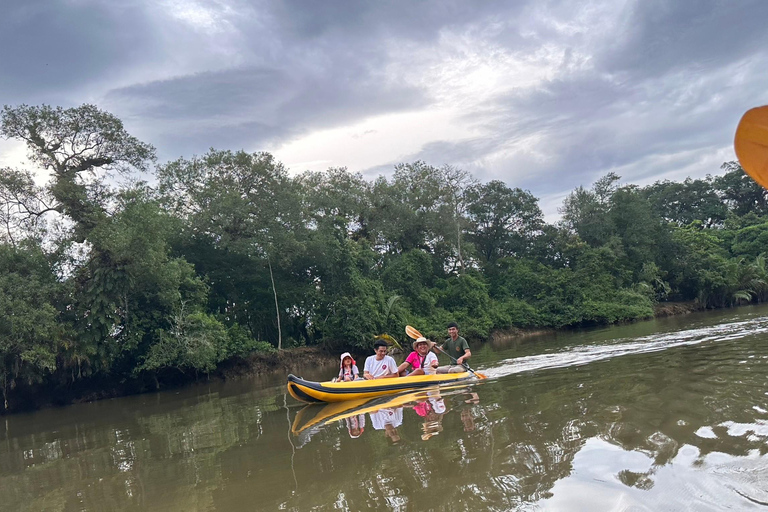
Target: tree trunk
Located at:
point(458, 243)
point(277, 308)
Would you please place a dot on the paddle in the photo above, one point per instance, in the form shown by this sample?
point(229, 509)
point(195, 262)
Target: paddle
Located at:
point(751, 144)
point(413, 333)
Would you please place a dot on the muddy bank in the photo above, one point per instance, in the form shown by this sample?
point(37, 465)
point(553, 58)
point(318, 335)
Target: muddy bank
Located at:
point(286, 361)
point(501, 336)
point(30, 395)
point(665, 309)
point(676, 308)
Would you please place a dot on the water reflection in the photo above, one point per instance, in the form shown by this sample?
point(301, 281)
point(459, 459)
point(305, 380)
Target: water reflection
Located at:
point(683, 427)
point(384, 414)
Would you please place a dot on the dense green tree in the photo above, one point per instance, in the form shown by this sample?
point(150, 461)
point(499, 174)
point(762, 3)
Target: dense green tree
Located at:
point(504, 221)
point(741, 193)
point(685, 202)
point(585, 212)
point(31, 330)
point(78, 146)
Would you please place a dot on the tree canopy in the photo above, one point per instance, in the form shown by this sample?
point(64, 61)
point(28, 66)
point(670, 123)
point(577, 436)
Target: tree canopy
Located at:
point(228, 253)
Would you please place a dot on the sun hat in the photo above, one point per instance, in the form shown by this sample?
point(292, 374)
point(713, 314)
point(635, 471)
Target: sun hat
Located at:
point(347, 354)
point(423, 340)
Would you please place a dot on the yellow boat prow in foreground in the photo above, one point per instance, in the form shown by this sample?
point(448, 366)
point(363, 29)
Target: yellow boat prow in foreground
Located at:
point(316, 392)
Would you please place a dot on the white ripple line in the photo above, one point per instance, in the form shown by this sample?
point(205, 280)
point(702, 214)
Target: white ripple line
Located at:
point(586, 354)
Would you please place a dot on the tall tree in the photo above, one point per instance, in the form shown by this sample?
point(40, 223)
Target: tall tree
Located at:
point(78, 146)
point(585, 212)
point(740, 192)
point(244, 204)
point(687, 201)
point(504, 221)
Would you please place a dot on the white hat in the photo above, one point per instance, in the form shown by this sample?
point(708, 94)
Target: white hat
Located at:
point(423, 340)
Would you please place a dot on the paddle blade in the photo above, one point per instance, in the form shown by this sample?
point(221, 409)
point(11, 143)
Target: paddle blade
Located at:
point(412, 333)
point(751, 144)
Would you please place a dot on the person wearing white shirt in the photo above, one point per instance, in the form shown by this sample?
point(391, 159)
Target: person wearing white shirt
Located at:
point(380, 365)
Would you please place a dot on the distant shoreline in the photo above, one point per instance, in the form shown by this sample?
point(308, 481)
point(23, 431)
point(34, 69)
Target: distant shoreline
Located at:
point(253, 365)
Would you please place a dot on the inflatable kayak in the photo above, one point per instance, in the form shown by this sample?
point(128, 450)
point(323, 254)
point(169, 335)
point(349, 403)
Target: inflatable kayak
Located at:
point(317, 392)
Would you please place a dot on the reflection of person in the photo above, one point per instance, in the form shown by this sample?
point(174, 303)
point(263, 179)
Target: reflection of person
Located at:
point(388, 420)
point(432, 412)
point(421, 359)
point(355, 425)
point(457, 348)
point(380, 365)
point(348, 370)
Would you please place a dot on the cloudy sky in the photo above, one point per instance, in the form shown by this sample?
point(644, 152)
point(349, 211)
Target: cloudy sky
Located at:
point(545, 95)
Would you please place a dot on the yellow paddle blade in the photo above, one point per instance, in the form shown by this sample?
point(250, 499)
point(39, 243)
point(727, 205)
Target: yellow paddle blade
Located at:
point(412, 333)
point(751, 144)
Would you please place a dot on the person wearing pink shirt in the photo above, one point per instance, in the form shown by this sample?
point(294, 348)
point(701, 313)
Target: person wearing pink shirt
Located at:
point(422, 359)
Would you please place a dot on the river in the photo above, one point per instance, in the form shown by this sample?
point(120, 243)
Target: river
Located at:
point(668, 414)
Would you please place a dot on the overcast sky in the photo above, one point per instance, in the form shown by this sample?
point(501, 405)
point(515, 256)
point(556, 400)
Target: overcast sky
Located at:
point(545, 95)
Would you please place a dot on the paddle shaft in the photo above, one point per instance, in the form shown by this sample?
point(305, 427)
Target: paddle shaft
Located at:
point(465, 365)
point(413, 333)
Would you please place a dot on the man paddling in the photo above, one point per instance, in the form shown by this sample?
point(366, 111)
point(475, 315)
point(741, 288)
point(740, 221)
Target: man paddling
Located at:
point(457, 349)
point(380, 365)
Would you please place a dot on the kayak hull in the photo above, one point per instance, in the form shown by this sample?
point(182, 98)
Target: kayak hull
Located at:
point(321, 392)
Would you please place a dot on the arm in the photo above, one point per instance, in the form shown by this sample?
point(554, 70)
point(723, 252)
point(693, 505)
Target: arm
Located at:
point(467, 355)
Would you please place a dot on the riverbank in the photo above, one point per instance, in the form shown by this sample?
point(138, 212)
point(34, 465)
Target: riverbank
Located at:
point(34, 396)
point(676, 308)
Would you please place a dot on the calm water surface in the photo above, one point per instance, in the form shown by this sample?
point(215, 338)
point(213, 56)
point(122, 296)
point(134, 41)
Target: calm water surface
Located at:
point(663, 415)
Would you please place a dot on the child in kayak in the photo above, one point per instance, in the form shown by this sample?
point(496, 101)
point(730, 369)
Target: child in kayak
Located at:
point(422, 360)
point(348, 370)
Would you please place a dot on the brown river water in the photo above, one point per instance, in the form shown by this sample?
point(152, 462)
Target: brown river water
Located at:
point(669, 414)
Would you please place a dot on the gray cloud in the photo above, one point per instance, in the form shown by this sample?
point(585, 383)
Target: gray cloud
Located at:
point(254, 107)
point(50, 47)
point(638, 88)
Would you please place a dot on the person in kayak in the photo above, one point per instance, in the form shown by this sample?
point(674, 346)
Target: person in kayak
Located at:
point(380, 365)
point(422, 360)
point(348, 370)
point(457, 349)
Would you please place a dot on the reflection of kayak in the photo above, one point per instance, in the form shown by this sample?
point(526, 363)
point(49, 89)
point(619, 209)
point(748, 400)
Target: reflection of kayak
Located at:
point(314, 392)
point(343, 410)
point(323, 414)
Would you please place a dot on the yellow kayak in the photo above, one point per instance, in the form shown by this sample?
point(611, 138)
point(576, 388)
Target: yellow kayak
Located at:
point(317, 392)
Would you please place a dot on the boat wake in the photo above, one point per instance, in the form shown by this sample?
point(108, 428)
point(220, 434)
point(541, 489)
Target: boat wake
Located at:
point(585, 354)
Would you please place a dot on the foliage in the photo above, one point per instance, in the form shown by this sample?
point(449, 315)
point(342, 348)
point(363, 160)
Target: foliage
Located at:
point(30, 329)
point(229, 254)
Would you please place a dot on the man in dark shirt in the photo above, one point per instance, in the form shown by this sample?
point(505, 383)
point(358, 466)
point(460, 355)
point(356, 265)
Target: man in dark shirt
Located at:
point(457, 348)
